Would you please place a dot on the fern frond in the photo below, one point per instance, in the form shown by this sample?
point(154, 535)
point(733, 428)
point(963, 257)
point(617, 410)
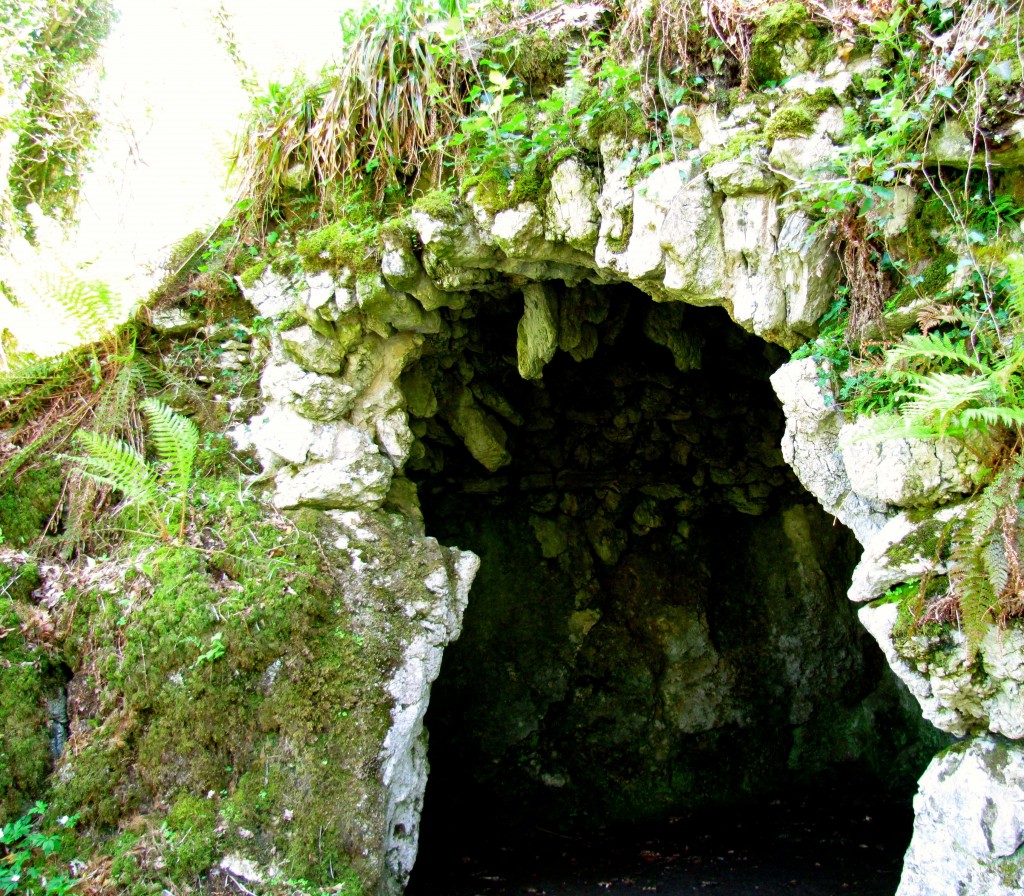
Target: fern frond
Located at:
point(112, 462)
point(916, 347)
point(997, 567)
point(993, 417)
point(176, 439)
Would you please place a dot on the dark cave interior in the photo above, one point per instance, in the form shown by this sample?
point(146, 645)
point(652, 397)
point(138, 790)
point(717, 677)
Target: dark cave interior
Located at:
point(659, 624)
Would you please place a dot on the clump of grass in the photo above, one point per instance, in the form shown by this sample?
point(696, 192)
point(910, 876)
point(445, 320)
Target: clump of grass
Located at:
point(401, 87)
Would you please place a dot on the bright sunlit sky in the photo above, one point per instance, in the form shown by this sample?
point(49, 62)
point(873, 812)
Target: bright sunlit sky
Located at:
point(171, 101)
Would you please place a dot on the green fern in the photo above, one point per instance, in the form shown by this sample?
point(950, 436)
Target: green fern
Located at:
point(110, 461)
point(176, 439)
point(985, 575)
point(159, 490)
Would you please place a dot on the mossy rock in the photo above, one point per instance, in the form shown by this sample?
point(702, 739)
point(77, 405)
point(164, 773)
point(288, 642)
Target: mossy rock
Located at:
point(227, 669)
point(777, 36)
point(25, 757)
point(339, 245)
point(28, 502)
point(797, 118)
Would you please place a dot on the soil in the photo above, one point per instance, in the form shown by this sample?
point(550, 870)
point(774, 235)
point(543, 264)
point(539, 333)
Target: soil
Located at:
point(822, 843)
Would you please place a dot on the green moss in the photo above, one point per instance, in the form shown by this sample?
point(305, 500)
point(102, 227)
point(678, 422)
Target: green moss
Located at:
point(535, 58)
point(622, 117)
point(339, 245)
point(797, 118)
point(28, 502)
point(24, 680)
point(192, 821)
point(789, 122)
point(930, 283)
point(439, 204)
point(783, 24)
point(496, 191)
point(294, 687)
point(736, 147)
point(251, 274)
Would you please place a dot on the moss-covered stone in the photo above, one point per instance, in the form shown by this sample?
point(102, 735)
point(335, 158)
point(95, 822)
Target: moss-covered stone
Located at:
point(25, 757)
point(215, 667)
point(777, 36)
point(28, 502)
point(438, 204)
point(797, 118)
point(339, 245)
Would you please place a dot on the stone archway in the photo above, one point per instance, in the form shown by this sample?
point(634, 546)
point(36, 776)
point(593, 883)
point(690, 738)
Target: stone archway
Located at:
point(397, 371)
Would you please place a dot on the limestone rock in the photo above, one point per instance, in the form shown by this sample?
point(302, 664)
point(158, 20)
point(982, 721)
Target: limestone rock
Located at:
point(807, 271)
point(615, 204)
point(905, 472)
point(750, 225)
point(385, 307)
point(174, 321)
point(901, 550)
point(518, 231)
point(810, 445)
point(456, 238)
point(312, 350)
point(355, 477)
point(734, 177)
point(691, 236)
point(480, 432)
point(958, 693)
point(315, 396)
point(537, 337)
point(696, 686)
point(652, 197)
point(400, 266)
point(281, 435)
point(969, 823)
point(797, 155)
point(271, 295)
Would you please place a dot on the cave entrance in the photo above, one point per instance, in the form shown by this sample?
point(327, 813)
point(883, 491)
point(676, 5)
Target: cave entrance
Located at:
point(659, 624)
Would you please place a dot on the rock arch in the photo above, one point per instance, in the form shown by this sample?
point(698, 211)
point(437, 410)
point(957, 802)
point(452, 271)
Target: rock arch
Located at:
point(349, 406)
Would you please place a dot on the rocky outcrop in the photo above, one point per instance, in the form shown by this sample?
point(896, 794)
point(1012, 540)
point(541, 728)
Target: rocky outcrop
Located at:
point(969, 823)
point(375, 370)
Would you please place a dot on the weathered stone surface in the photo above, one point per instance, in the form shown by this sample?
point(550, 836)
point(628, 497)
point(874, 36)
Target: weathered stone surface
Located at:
point(905, 472)
point(312, 350)
point(958, 693)
point(355, 476)
point(456, 238)
point(519, 231)
point(315, 396)
point(691, 237)
point(810, 446)
point(281, 435)
point(794, 156)
point(174, 321)
point(969, 823)
point(537, 335)
point(615, 204)
point(750, 225)
point(385, 308)
point(480, 432)
point(734, 177)
point(807, 270)
point(271, 295)
point(913, 543)
point(438, 621)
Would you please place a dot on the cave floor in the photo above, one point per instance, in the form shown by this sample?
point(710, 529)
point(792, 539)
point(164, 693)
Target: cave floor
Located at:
point(822, 843)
